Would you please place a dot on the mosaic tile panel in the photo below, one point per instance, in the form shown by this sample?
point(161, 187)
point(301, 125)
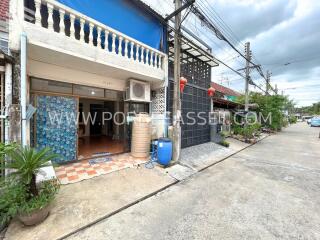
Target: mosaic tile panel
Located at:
point(56, 126)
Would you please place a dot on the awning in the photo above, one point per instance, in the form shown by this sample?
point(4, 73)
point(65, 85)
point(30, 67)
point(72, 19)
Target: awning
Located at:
point(190, 47)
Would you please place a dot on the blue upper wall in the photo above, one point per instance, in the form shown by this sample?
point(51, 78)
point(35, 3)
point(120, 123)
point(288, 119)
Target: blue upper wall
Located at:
point(124, 16)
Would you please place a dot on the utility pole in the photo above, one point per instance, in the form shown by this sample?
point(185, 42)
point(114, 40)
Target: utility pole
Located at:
point(268, 82)
point(248, 60)
point(176, 97)
point(276, 89)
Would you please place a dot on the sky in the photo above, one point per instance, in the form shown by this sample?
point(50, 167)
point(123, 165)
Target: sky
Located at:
point(284, 36)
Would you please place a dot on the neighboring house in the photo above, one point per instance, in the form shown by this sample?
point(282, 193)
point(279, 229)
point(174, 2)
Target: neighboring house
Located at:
point(223, 105)
point(196, 65)
point(4, 18)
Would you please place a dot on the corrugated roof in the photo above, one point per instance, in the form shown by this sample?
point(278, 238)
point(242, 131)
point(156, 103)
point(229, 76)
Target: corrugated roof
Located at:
point(224, 90)
point(4, 10)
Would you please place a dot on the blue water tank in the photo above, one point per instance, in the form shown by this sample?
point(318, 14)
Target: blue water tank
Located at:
point(164, 151)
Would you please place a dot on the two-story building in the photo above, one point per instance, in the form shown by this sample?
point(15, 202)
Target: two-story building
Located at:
point(95, 60)
point(84, 66)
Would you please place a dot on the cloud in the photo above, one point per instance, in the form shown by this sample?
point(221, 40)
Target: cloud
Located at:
point(284, 37)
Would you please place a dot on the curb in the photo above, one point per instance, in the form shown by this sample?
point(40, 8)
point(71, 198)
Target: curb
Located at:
point(232, 154)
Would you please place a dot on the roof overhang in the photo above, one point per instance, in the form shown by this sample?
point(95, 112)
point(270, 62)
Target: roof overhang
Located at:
point(193, 49)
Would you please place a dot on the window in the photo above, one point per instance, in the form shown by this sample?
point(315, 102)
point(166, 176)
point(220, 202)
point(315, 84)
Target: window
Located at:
point(51, 86)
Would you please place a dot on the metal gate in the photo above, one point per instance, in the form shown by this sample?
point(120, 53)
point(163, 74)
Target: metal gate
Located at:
point(195, 102)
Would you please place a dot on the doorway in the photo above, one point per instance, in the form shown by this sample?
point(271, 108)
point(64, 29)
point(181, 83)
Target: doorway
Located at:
point(99, 134)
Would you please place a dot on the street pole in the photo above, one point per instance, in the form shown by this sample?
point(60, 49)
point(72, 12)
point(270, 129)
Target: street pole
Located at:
point(176, 98)
point(268, 83)
point(248, 59)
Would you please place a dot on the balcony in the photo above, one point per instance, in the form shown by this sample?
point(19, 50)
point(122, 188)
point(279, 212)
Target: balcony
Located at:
point(59, 35)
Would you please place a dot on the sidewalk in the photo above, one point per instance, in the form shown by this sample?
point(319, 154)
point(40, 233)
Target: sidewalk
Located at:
point(81, 204)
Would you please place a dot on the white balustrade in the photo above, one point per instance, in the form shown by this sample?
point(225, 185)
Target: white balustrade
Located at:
point(126, 47)
point(79, 24)
point(37, 13)
point(72, 28)
point(137, 52)
point(50, 16)
point(62, 13)
point(91, 37)
point(99, 37)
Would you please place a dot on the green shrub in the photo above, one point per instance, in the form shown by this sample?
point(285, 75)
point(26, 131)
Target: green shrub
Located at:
point(12, 194)
point(224, 143)
point(292, 119)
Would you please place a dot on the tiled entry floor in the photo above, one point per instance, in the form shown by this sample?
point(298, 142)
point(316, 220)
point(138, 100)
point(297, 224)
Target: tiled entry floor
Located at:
point(76, 172)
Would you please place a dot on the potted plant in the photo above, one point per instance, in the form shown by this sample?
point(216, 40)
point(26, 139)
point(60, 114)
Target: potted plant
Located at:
point(26, 163)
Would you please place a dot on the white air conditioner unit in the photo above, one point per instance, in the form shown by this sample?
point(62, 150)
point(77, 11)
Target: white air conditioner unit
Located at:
point(137, 91)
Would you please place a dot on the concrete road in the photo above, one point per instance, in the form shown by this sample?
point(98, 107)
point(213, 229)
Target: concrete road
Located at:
point(268, 191)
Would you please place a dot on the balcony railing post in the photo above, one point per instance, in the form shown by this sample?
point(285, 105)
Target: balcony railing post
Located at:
point(120, 46)
point(152, 58)
point(143, 57)
point(72, 28)
point(114, 43)
point(161, 62)
point(126, 48)
point(50, 16)
point(99, 37)
point(156, 61)
point(91, 37)
point(38, 13)
point(82, 33)
point(106, 40)
point(147, 56)
point(131, 50)
point(61, 22)
point(137, 52)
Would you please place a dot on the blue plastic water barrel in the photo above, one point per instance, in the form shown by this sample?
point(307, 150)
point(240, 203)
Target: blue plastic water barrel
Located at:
point(164, 151)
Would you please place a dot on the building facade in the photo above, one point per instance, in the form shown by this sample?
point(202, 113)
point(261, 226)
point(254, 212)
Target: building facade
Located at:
point(73, 62)
point(81, 63)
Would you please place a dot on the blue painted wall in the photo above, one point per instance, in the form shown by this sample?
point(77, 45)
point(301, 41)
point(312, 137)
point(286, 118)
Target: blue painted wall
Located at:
point(124, 16)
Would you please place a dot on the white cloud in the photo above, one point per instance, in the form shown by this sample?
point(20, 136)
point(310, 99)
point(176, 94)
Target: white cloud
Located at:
point(280, 32)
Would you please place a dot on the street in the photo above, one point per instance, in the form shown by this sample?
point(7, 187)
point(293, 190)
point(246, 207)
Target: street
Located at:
point(268, 191)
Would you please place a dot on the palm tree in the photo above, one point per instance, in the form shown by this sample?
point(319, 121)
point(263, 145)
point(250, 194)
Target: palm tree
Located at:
point(26, 163)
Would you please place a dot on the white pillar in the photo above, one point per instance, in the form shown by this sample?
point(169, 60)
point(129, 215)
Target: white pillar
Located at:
point(8, 97)
point(23, 86)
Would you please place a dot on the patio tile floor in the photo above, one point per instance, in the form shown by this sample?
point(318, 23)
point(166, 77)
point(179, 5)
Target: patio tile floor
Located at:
point(76, 172)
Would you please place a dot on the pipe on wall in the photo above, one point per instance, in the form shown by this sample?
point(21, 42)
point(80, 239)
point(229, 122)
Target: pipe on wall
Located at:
point(23, 85)
point(7, 97)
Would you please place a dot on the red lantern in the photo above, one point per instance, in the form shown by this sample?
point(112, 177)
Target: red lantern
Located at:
point(211, 91)
point(183, 82)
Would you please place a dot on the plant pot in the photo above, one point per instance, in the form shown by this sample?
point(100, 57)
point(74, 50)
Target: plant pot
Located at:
point(35, 217)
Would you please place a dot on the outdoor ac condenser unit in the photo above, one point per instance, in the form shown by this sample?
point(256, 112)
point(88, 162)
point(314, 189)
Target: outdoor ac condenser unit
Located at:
point(137, 91)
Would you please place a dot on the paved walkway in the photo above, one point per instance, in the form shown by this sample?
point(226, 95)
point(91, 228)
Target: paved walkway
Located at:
point(83, 203)
point(268, 191)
